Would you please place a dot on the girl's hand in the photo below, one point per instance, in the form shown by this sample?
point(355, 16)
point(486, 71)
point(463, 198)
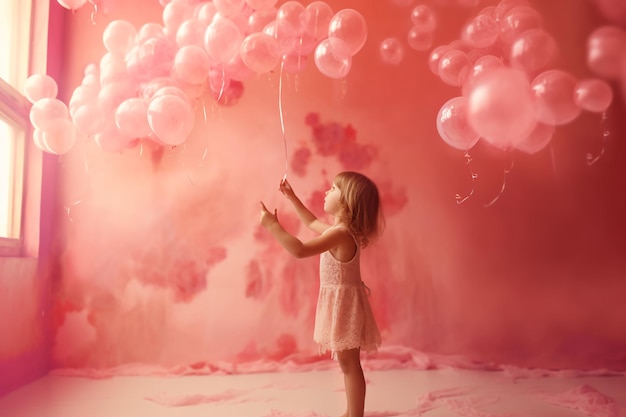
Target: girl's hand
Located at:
point(267, 218)
point(286, 189)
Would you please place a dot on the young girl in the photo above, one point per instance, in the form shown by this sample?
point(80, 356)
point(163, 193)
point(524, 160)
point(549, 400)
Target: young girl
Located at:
point(344, 323)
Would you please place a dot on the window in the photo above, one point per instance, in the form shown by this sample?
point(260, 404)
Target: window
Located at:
point(17, 44)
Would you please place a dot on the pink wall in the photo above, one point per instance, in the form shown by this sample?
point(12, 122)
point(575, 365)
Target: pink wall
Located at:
point(161, 260)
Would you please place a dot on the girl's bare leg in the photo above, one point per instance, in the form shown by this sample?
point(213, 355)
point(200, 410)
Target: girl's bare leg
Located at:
point(350, 363)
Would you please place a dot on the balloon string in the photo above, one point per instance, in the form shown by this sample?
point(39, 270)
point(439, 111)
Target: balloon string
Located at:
point(459, 199)
point(605, 136)
point(280, 112)
point(222, 87)
point(92, 19)
point(506, 172)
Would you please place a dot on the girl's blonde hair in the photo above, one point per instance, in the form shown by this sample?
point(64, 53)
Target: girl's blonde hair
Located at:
point(361, 201)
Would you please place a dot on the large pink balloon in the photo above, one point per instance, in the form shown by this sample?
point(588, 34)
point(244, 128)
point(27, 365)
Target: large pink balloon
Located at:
point(333, 58)
point(59, 136)
point(260, 52)
point(424, 17)
point(501, 107)
point(481, 31)
point(171, 119)
point(349, 26)
point(453, 124)
point(554, 91)
point(593, 95)
point(39, 86)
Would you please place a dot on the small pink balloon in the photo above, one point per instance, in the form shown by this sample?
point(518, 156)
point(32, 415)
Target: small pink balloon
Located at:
point(290, 15)
point(39, 86)
point(349, 26)
point(316, 18)
point(391, 51)
point(454, 67)
point(505, 6)
point(59, 136)
point(517, 21)
point(131, 118)
point(554, 93)
point(43, 111)
point(424, 17)
point(480, 32)
point(333, 58)
point(537, 140)
point(420, 39)
point(435, 56)
point(453, 124)
point(605, 49)
point(533, 51)
point(171, 119)
point(260, 52)
point(501, 107)
point(593, 95)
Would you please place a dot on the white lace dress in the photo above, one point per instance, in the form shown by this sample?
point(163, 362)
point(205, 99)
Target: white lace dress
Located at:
point(344, 318)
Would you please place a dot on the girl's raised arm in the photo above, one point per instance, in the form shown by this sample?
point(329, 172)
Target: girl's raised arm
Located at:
point(306, 216)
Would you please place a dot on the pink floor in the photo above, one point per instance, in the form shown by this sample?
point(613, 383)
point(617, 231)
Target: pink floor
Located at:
point(433, 393)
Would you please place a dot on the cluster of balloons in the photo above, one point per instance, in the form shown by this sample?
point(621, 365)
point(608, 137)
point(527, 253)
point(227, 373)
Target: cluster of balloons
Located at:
point(146, 83)
point(511, 95)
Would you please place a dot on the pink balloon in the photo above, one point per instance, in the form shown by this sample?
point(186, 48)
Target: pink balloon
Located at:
point(501, 107)
point(316, 18)
point(38, 140)
point(229, 7)
point(153, 58)
point(111, 95)
point(333, 58)
point(349, 26)
point(453, 124)
point(435, 56)
point(89, 118)
point(72, 4)
point(259, 19)
point(191, 32)
point(45, 110)
point(119, 36)
point(131, 118)
point(517, 21)
point(110, 139)
point(290, 16)
point(206, 12)
point(171, 119)
point(285, 35)
point(174, 14)
point(605, 50)
point(424, 17)
point(391, 51)
point(420, 39)
point(593, 95)
point(39, 86)
point(222, 40)
point(505, 6)
point(59, 136)
point(112, 69)
point(192, 64)
point(148, 31)
point(538, 139)
point(533, 51)
point(481, 31)
point(481, 66)
point(454, 67)
point(554, 91)
point(83, 94)
point(261, 4)
point(260, 52)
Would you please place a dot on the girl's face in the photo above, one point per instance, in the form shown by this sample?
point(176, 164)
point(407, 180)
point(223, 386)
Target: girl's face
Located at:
point(332, 203)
